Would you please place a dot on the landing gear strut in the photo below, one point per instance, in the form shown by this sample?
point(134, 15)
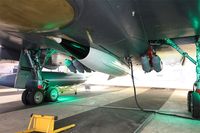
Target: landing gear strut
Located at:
point(37, 90)
point(193, 97)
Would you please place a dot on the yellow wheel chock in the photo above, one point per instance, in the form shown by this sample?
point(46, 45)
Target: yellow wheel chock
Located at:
point(44, 124)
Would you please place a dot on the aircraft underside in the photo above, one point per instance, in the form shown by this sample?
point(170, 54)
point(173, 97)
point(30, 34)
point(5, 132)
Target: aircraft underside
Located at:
point(99, 35)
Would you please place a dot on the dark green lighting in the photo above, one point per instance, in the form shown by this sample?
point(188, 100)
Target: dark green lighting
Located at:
point(67, 98)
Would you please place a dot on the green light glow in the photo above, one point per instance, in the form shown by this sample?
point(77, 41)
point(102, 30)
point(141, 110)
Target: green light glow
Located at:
point(170, 120)
point(195, 22)
point(67, 98)
point(50, 26)
point(68, 62)
point(54, 93)
point(193, 15)
point(169, 41)
point(77, 46)
point(198, 62)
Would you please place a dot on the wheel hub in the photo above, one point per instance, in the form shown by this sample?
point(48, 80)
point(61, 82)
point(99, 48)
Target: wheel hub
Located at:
point(38, 98)
point(54, 94)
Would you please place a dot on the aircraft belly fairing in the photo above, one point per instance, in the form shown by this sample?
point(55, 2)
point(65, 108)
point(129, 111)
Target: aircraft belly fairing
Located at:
point(111, 25)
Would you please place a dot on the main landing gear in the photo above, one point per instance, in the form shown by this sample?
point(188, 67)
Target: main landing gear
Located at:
point(37, 90)
point(36, 96)
point(193, 103)
point(193, 97)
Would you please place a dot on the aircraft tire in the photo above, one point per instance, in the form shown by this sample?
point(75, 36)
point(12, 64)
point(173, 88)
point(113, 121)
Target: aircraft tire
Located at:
point(24, 98)
point(52, 94)
point(195, 106)
point(35, 97)
point(189, 100)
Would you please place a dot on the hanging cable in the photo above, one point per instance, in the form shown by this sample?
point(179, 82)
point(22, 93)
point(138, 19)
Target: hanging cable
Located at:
point(148, 110)
point(133, 81)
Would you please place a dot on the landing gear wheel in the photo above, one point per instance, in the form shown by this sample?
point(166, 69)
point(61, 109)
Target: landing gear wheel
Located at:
point(35, 97)
point(195, 105)
point(24, 98)
point(189, 100)
point(52, 94)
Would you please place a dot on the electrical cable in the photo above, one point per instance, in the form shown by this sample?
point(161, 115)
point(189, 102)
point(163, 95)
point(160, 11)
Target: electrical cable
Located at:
point(149, 110)
point(133, 81)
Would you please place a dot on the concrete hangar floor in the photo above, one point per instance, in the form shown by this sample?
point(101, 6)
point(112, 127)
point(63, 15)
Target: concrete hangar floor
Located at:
point(110, 109)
